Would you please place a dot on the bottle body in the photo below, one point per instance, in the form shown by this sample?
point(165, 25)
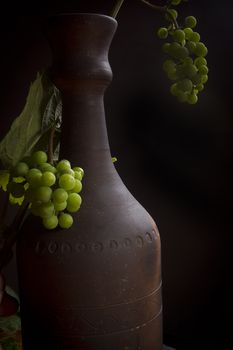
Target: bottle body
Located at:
point(98, 284)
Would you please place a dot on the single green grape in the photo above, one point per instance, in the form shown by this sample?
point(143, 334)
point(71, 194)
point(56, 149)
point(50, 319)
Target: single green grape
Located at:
point(204, 79)
point(200, 87)
point(174, 89)
point(60, 206)
point(77, 168)
point(166, 47)
point(180, 71)
point(200, 61)
point(51, 222)
point(185, 85)
point(168, 65)
point(191, 46)
point(21, 169)
point(78, 175)
point(190, 21)
point(59, 195)
point(48, 179)
point(77, 186)
point(183, 42)
point(182, 53)
point(171, 12)
point(192, 98)
point(188, 32)
point(173, 48)
point(188, 60)
point(203, 70)
point(67, 171)
point(47, 167)
point(179, 35)
point(73, 202)
point(162, 33)
point(190, 70)
point(197, 79)
point(63, 165)
point(201, 49)
point(195, 37)
point(177, 51)
point(67, 182)
point(43, 194)
point(39, 157)
point(65, 220)
point(33, 177)
point(46, 210)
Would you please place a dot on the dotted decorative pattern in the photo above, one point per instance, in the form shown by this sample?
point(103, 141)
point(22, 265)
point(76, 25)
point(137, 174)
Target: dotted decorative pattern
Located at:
point(65, 248)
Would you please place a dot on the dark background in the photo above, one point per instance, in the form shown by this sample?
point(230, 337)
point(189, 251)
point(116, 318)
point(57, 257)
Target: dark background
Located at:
point(176, 159)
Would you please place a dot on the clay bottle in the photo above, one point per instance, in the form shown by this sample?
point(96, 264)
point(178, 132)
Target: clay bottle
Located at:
point(97, 285)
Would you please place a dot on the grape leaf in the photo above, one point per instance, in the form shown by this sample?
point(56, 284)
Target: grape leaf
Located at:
point(27, 130)
point(53, 112)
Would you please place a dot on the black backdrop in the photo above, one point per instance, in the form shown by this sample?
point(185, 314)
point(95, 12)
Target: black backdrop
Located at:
point(176, 159)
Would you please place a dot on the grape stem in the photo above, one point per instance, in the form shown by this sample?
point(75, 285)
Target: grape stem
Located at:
point(154, 7)
point(116, 8)
point(50, 145)
point(164, 9)
point(11, 233)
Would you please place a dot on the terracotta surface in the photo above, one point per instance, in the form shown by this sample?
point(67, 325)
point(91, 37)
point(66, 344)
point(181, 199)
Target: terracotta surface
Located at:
point(98, 284)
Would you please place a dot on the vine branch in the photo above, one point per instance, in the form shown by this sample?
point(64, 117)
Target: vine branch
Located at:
point(155, 7)
point(116, 8)
point(164, 9)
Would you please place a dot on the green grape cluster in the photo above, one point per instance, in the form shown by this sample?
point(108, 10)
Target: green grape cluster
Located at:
point(52, 191)
point(186, 64)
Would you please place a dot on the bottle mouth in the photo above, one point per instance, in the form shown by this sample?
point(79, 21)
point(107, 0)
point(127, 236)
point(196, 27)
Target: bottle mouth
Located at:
point(68, 19)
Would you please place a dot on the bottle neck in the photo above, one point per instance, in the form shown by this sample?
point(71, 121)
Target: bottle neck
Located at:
point(84, 135)
point(81, 71)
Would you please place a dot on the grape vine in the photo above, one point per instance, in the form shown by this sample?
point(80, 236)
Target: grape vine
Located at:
point(185, 64)
point(51, 193)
